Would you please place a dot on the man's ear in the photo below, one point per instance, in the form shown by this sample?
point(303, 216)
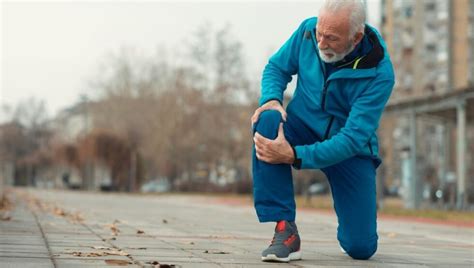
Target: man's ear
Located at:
point(358, 37)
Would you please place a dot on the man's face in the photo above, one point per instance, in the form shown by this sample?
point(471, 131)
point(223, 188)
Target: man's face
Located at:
point(332, 35)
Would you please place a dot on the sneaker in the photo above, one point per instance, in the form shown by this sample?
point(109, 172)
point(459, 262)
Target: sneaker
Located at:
point(285, 245)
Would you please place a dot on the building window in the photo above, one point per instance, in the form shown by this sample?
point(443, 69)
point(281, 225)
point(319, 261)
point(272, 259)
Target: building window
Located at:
point(408, 12)
point(430, 6)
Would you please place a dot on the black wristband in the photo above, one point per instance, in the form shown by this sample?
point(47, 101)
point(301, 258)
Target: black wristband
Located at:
point(297, 162)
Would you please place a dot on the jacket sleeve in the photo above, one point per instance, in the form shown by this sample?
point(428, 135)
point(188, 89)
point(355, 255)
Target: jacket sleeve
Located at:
point(362, 122)
point(281, 66)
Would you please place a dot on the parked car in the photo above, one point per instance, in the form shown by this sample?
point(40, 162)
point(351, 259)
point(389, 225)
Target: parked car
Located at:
point(156, 186)
point(318, 188)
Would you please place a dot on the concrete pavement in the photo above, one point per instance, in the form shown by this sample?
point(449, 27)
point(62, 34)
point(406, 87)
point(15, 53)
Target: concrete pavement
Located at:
point(76, 229)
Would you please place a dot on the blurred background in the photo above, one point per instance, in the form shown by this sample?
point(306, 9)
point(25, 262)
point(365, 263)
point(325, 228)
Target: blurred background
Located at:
point(151, 96)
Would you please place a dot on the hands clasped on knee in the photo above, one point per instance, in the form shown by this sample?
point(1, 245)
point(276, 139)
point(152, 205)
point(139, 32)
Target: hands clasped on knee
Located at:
point(277, 151)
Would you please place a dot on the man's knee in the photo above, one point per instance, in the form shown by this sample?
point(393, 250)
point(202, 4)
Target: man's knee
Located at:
point(268, 122)
point(361, 249)
point(269, 116)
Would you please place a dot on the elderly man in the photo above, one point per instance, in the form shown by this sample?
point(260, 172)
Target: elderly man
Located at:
point(345, 78)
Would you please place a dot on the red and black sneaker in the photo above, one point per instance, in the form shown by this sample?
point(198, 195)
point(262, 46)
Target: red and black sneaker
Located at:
point(285, 245)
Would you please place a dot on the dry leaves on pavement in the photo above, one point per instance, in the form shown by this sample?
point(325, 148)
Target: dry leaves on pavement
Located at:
point(118, 262)
point(391, 235)
point(105, 252)
point(6, 216)
point(5, 208)
point(5, 203)
point(101, 247)
point(113, 227)
point(160, 265)
point(139, 248)
point(216, 252)
point(59, 212)
point(36, 204)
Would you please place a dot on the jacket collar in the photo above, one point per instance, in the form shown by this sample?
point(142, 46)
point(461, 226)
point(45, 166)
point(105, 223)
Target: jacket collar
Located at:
point(369, 60)
point(360, 67)
point(364, 66)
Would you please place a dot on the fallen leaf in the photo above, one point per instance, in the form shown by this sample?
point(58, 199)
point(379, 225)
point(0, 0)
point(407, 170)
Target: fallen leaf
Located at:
point(391, 235)
point(118, 262)
point(140, 232)
point(87, 254)
point(165, 221)
point(6, 218)
point(117, 252)
point(5, 203)
point(59, 212)
point(101, 247)
point(191, 243)
point(215, 252)
point(157, 264)
point(98, 253)
point(76, 217)
point(113, 228)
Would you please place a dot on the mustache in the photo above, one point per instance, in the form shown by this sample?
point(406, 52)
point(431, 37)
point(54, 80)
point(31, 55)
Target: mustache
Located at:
point(327, 50)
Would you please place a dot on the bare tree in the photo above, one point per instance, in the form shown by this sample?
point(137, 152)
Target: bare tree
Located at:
point(25, 139)
point(180, 118)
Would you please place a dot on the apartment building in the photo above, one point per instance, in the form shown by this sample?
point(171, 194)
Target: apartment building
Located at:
point(431, 43)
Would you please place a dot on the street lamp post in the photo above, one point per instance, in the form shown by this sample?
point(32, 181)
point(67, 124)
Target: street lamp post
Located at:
point(86, 183)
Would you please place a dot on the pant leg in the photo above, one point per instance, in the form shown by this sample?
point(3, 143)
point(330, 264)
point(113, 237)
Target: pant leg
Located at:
point(274, 198)
point(272, 183)
point(354, 193)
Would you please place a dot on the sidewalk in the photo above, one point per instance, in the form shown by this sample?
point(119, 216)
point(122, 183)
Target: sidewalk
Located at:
point(77, 229)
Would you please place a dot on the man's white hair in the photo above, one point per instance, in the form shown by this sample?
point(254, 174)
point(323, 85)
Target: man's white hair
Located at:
point(357, 11)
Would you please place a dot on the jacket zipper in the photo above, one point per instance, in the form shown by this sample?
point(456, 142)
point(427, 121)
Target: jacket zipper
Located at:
point(328, 129)
point(370, 148)
point(326, 83)
point(323, 97)
point(325, 88)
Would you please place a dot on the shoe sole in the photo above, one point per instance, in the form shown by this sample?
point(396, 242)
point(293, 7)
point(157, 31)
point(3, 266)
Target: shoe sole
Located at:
point(292, 257)
point(343, 251)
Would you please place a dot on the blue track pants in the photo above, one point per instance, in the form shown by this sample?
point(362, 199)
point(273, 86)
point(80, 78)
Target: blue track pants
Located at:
point(352, 185)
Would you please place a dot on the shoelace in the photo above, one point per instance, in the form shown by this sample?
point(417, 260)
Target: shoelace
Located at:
point(282, 239)
point(275, 239)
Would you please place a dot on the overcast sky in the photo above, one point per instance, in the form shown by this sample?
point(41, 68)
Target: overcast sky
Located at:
point(49, 50)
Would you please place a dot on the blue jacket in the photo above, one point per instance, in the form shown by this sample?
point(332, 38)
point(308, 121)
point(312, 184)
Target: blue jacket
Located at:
point(342, 109)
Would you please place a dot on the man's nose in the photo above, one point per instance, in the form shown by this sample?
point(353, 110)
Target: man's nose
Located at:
point(322, 44)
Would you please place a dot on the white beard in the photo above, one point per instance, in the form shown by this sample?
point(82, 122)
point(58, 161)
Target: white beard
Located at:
point(336, 56)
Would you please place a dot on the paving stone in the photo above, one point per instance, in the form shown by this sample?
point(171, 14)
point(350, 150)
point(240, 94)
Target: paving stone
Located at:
point(18, 262)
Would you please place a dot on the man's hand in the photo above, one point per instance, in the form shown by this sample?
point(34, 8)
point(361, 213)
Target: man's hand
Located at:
point(276, 151)
point(271, 105)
